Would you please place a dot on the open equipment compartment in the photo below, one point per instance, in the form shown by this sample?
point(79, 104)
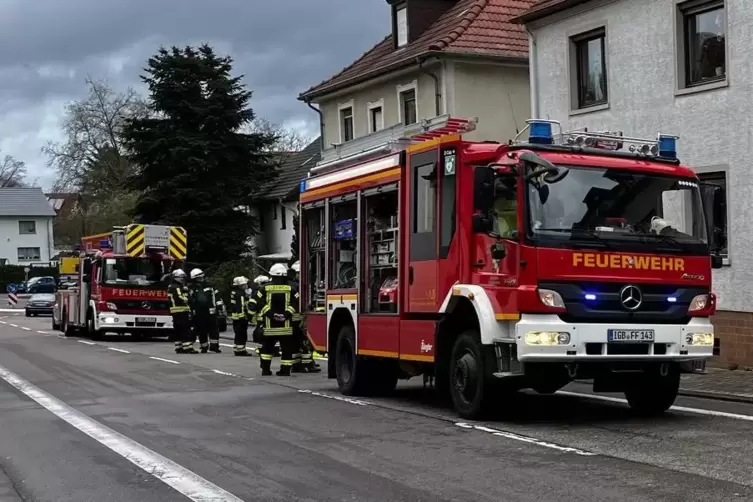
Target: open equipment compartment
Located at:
point(381, 262)
point(344, 261)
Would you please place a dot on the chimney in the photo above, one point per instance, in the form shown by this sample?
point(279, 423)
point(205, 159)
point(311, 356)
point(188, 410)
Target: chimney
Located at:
point(411, 18)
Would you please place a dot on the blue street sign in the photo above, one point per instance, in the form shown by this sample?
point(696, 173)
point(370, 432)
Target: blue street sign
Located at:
point(11, 288)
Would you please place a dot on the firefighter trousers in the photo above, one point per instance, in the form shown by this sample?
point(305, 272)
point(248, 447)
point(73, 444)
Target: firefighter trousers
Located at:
point(267, 353)
point(302, 357)
point(183, 336)
point(240, 328)
point(205, 327)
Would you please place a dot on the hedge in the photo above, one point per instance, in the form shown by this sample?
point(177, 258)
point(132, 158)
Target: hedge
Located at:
point(14, 274)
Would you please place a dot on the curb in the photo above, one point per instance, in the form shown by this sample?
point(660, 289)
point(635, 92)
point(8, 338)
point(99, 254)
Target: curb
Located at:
point(717, 396)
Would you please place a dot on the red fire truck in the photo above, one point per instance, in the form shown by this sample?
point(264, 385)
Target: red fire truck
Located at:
point(122, 285)
point(493, 267)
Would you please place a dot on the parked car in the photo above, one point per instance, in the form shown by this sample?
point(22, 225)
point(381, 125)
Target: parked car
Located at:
point(41, 285)
point(40, 303)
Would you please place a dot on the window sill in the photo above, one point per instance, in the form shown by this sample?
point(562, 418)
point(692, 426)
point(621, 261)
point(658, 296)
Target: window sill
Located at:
point(719, 84)
point(589, 109)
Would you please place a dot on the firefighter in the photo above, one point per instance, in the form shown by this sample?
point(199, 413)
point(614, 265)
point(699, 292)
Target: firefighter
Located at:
point(302, 356)
point(276, 304)
point(180, 311)
point(204, 313)
point(256, 335)
point(239, 313)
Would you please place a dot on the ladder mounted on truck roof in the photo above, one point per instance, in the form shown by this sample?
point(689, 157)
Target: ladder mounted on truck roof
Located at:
point(390, 140)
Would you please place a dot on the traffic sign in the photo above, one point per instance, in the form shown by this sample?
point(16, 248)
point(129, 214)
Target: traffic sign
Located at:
point(11, 288)
point(27, 269)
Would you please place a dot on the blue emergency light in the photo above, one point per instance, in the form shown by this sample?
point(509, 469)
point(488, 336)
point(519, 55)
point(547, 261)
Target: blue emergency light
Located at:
point(104, 243)
point(302, 186)
point(667, 146)
point(540, 132)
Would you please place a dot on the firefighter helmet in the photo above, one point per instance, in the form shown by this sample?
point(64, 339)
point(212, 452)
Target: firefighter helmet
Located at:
point(296, 266)
point(179, 275)
point(261, 279)
point(197, 273)
point(240, 281)
point(278, 270)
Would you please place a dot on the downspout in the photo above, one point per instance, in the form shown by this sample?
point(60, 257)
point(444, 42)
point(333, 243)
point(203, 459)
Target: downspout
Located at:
point(437, 93)
point(321, 121)
point(533, 74)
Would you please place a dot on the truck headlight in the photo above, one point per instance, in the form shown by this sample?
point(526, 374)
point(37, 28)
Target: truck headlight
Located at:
point(699, 339)
point(547, 338)
point(699, 302)
point(551, 298)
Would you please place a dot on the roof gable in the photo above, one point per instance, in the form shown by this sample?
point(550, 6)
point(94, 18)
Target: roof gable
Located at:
point(544, 8)
point(473, 27)
point(24, 202)
point(293, 169)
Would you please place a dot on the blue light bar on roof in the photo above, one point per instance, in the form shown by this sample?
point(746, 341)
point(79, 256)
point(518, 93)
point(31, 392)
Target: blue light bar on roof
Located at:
point(302, 186)
point(540, 133)
point(667, 146)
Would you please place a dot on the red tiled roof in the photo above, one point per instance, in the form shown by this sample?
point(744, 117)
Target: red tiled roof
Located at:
point(544, 8)
point(476, 27)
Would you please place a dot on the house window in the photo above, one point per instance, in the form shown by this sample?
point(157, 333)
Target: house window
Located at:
point(27, 227)
point(376, 116)
point(408, 111)
point(274, 211)
point(704, 33)
point(29, 254)
point(401, 25)
point(346, 124)
point(590, 69)
point(283, 218)
point(718, 178)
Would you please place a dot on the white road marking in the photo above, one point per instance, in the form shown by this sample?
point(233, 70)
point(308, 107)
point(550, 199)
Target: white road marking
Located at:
point(174, 475)
point(164, 360)
point(14, 325)
point(696, 411)
point(219, 372)
point(336, 398)
point(3, 322)
point(526, 439)
point(25, 328)
point(119, 350)
point(42, 332)
point(86, 342)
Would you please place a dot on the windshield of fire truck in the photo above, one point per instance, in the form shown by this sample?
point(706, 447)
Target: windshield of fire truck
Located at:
point(135, 271)
point(618, 208)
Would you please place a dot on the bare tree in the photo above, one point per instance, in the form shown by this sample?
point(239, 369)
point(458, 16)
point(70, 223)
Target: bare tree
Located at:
point(286, 140)
point(12, 172)
point(92, 157)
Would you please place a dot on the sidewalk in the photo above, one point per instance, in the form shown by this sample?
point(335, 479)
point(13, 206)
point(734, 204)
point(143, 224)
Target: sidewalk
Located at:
point(720, 384)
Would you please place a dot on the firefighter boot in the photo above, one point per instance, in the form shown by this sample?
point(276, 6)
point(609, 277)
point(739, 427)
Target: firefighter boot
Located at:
point(204, 348)
point(215, 347)
point(265, 367)
point(178, 348)
point(283, 371)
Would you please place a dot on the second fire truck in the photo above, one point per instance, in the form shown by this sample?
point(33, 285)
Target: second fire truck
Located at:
point(494, 267)
point(122, 283)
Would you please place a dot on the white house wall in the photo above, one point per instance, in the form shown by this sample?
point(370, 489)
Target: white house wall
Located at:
point(11, 240)
point(714, 125)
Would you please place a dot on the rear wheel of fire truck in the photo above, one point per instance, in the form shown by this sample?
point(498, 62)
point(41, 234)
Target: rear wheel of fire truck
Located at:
point(94, 334)
point(468, 383)
point(655, 390)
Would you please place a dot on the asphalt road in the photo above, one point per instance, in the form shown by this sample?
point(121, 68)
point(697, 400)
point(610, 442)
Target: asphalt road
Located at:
point(122, 421)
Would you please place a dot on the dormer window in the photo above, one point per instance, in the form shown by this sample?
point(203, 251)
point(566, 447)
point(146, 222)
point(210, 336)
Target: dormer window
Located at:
point(401, 25)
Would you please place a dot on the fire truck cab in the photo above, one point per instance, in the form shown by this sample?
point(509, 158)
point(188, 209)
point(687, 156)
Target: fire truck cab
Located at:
point(122, 283)
point(494, 267)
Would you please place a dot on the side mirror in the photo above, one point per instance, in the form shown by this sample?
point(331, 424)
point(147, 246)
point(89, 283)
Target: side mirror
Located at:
point(483, 188)
point(481, 224)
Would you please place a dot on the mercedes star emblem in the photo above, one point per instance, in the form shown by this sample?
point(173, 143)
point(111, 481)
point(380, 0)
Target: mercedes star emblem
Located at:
point(146, 305)
point(631, 297)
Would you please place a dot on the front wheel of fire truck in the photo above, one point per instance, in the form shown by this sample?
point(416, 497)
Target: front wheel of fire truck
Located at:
point(655, 390)
point(349, 378)
point(91, 331)
point(468, 382)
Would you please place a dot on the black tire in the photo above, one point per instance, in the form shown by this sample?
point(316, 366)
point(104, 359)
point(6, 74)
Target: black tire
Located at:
point(352, 373)
point(28, 314)
point(651, 394)
point(68, 330)
point(94, 334)
point(468, 386)
point(55, 327)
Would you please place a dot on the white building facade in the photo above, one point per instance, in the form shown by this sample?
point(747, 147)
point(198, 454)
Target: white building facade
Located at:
point(26, 236)
point(671, 66)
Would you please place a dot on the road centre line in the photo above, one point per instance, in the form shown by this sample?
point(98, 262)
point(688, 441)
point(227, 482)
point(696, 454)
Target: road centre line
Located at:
point(119, 350)
point(86, 342)
point(336, 398)
point(14, 325)
point(684, 409)
point(525, 439)
point(42, 332)
point(186, 482)
point(164, 360)
point(25, 328)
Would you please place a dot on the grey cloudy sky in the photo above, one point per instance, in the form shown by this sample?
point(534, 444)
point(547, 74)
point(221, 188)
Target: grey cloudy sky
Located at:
point(47, 47)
